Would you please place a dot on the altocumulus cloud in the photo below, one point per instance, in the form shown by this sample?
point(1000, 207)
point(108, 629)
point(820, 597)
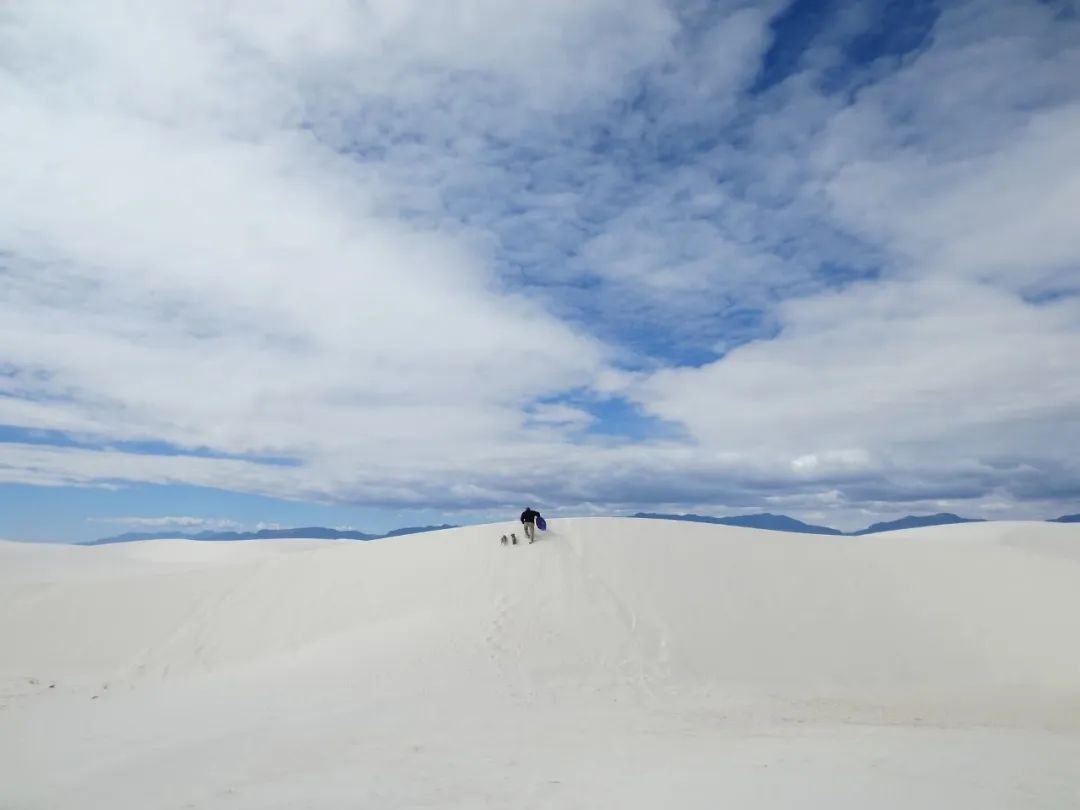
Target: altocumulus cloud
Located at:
point(687, 254)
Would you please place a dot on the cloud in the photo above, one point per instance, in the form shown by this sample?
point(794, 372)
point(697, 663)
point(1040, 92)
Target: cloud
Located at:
point(895, 363)
point(963, 346)
point(561, 415)
point(210, 276)
point(170, 522)
point(392, 253)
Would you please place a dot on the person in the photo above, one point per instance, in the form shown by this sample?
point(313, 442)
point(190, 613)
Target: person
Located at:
point(528, 520)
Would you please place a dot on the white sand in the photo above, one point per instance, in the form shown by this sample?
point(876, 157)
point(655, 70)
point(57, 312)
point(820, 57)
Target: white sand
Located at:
point(613, 664)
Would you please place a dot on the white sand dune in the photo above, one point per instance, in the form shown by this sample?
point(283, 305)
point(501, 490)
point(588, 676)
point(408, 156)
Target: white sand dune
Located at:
point(615, 663)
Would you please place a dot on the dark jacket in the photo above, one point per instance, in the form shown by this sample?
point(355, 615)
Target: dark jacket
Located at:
point(529, 516)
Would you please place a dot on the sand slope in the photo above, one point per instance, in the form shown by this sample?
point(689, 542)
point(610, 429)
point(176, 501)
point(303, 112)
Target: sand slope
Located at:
point(620, 663)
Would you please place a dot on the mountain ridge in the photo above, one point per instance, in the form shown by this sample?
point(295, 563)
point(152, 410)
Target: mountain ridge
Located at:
point(764, 520)
point(916, 522)
point(769, 521)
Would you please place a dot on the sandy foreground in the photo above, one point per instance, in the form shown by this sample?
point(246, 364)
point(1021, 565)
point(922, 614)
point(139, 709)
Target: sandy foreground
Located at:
point(616, 663)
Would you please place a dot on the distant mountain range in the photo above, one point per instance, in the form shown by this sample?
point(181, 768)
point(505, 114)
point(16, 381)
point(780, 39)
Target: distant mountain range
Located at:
point(917, 522)
point(777, 523)
point(765, 520)
point(783, 523)
point(304, 533)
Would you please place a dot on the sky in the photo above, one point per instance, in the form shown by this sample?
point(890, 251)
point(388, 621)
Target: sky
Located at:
point(394, 262)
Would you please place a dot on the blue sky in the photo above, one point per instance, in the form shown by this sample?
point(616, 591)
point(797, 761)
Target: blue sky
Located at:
point(386, 264)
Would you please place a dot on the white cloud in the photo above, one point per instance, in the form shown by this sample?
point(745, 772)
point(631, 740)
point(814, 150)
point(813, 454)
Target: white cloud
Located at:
point(565, 415)
point(187, 265)
point(967, 187)
point(961, 162)
point(888, 362)
point(293, 231)
point(164, 523)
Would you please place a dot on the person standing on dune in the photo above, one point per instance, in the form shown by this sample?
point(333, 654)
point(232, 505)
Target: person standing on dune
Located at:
point(528, 520)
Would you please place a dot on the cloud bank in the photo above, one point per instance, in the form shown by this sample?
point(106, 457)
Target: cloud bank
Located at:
point(169, 522)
